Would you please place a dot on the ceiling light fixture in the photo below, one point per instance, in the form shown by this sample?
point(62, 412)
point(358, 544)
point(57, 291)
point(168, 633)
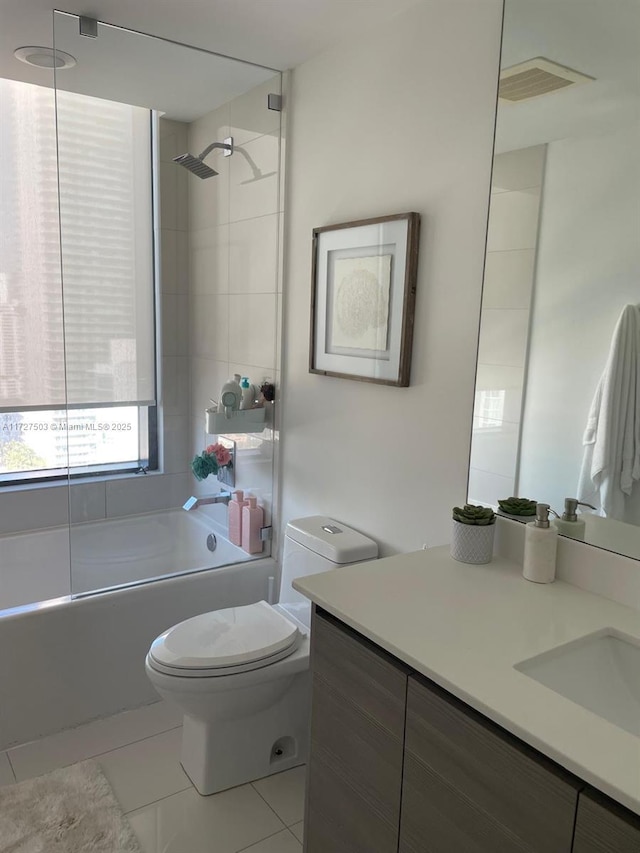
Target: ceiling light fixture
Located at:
point(45, 57)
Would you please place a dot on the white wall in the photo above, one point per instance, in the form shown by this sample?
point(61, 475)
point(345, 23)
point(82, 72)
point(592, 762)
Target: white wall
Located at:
point(235, 285)
point(588, 269)
point(399, 120)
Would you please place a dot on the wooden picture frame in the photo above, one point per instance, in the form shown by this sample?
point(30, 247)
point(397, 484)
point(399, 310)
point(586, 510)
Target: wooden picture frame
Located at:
point(363, 291)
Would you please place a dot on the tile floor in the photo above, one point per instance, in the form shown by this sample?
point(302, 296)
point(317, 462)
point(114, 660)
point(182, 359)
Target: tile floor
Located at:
point(139, 754)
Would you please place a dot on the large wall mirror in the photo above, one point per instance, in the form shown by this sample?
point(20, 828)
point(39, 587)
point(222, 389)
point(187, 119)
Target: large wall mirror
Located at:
point(557, 407)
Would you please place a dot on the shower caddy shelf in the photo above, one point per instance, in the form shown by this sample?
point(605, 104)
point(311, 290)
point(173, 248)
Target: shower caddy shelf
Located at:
point(242, 420)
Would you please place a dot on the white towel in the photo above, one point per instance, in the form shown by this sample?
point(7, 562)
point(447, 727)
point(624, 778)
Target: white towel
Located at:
point(611, 462)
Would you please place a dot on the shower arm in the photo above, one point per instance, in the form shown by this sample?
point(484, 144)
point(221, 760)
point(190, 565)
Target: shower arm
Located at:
point(227, 146)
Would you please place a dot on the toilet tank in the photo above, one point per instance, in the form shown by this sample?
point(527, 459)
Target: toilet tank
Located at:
point(316, 544)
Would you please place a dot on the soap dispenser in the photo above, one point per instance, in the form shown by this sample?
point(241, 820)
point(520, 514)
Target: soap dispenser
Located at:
point(570, 524)
point(540, 545)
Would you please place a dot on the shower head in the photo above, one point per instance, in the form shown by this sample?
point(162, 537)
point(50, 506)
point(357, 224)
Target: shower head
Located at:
point(197, 166)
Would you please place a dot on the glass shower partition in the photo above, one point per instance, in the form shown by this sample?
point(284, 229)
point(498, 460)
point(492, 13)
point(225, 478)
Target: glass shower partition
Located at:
point(170, 283)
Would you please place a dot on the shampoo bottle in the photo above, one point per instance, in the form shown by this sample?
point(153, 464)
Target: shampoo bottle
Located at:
point(236, 505)
point(252, 523)
point(540, 545)
point(570, 524)
point(249, 393)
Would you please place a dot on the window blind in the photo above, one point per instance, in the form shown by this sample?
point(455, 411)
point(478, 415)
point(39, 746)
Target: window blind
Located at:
point(79, 332)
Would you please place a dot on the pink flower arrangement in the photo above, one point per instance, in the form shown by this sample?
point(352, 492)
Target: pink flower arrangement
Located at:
point(212, 458)
point(223, 457)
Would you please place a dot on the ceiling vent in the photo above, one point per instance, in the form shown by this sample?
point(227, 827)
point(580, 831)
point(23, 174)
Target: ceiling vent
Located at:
point(535, 77)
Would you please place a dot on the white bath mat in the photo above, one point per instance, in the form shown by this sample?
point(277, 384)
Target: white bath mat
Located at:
point(72, 810)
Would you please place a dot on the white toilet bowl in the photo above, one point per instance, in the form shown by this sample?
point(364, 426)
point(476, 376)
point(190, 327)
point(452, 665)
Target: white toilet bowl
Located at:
point(241, 675)
point(243, 719)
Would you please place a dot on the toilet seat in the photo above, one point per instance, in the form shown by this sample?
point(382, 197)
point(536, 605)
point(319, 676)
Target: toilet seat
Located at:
point(225, 642)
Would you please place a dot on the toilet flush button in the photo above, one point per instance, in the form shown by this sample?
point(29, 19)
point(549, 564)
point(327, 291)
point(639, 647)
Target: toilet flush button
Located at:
point(331, 528)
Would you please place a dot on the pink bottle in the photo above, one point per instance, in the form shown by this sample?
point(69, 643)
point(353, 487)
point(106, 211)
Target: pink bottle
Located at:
point(252, 522)
point(235, 517)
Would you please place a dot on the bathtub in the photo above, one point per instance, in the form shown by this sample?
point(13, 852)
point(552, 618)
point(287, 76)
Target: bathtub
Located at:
point(40, 565)
point(66, 660)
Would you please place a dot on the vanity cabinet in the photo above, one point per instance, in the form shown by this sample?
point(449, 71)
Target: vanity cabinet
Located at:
point(356, 750)
point(469, 785)
point(398, 765)
point(605, 827)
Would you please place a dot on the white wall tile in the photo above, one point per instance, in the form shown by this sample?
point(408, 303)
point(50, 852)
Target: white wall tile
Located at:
point(248, 197)
point(486, 487)
point(210, 260)
point(169, 196)
point(249, 115)
point(207, 378)
point(497, 377)
point(495, 448)
point(173, 139)
point(174, 325)
point(210, 326)
point(88, 501)
point(31, 508)
point(252, 332)
point(253, 255)
point(513, 220)
point(175, 385)
point(145, 493)
point(517, 170)
point(508, 279)
point(176, 454)
point(503, 337)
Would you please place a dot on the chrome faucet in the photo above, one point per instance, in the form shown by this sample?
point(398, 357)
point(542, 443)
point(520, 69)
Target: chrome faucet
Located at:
point(220, 498)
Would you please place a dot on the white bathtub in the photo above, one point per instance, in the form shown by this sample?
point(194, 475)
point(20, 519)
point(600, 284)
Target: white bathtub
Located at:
point(40, 565)
point(65, 661)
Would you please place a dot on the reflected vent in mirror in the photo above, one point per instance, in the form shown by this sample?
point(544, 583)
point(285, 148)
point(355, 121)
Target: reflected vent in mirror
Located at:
point(536, 77)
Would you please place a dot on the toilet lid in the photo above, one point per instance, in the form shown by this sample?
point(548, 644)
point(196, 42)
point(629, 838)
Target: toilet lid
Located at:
point(222, 638)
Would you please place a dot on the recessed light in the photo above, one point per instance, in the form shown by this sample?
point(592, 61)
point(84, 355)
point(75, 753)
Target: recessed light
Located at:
point(45, 57)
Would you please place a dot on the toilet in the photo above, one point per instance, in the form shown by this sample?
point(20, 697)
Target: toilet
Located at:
point(241, 675)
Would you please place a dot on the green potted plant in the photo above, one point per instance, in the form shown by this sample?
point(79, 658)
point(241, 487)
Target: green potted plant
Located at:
point(520, 507)
point(472, 536)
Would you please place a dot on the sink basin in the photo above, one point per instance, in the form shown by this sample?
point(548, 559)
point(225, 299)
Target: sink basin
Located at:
point(600, 672)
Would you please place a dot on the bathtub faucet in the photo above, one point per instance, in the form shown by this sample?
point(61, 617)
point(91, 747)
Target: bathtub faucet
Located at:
point(220, 498)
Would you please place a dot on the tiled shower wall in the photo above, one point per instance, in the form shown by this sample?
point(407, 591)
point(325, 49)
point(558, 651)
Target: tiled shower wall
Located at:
point(235, 222)
point(504, 323)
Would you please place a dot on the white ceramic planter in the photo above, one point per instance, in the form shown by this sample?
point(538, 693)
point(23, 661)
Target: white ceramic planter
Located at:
point(472, 543)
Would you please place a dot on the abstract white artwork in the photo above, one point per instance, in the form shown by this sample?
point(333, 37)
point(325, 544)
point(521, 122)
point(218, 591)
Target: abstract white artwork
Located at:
point(359, 303)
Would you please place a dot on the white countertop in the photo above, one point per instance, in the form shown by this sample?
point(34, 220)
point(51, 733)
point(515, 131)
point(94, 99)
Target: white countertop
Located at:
point(466, 626)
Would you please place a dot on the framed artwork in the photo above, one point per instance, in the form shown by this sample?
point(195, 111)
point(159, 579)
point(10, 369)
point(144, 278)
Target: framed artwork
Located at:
point(363, 299)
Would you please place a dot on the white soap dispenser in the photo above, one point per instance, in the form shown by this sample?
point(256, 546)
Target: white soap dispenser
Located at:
point(540, 545)
point(570, 524)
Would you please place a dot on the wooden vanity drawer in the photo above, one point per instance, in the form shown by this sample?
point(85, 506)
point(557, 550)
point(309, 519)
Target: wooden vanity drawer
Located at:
point(357, 669)
point(603, 826)
point(470, 786)
point(357, 739)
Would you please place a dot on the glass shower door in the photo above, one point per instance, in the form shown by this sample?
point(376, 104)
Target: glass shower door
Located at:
point(166, 276)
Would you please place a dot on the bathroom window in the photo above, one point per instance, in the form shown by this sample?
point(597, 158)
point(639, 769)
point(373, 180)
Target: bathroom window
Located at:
point(77, 289)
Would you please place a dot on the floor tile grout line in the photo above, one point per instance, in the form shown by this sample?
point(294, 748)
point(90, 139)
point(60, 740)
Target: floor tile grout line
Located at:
point(96, 754)
point(269, 804)
point(15, 778)
point(153, 802)
point(261, 840)
point(294, 835)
